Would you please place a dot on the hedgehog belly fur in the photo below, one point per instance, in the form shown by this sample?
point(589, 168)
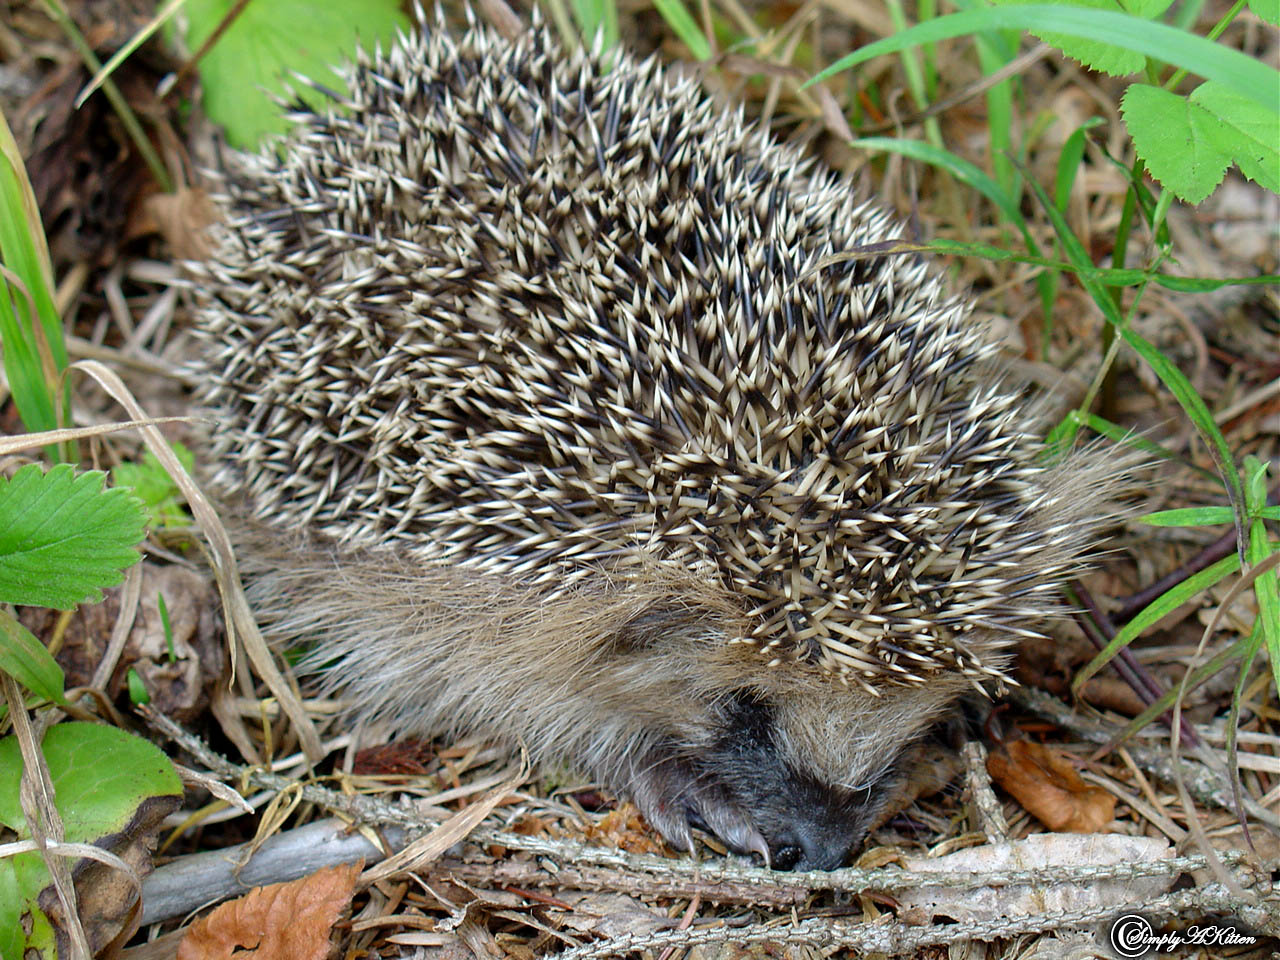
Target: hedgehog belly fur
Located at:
point(589, 437)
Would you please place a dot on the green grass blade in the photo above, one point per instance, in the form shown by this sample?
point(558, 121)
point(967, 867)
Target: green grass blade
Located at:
point(1249, 77)
point(1069, 162)
point(31, 335)
point(1173, 378)
point(1259, 552)
point(28, 661)
point(597, 19)
point(1106, 276)
point(1161, 606)
point(964, 171)
point(686, 28)
point(1165, 702)
point(1189, 517)
point(999, 118)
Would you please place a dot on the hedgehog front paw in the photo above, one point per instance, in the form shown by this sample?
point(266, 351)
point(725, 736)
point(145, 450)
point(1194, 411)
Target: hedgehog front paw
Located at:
point(674, 797)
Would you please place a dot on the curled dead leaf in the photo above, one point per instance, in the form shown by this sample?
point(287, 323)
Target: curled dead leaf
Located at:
point(1046, 784)
point(285, 921)
point(183, 219)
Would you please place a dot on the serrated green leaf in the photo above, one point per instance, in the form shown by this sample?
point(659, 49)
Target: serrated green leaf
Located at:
point(1105, 57)
point(63, 537)
point(110, 788)
point(1184, 145)
point(28, 661)
point(1253, 131)
point(268, 42)
point(1268, 10)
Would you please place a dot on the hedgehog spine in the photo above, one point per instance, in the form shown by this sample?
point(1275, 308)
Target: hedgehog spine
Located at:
point(563, 375)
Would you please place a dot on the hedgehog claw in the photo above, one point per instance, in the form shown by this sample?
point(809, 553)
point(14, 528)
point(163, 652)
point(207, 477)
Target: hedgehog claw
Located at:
point(674, 798)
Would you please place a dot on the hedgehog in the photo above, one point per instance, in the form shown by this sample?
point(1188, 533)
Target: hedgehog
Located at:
point(556, 404)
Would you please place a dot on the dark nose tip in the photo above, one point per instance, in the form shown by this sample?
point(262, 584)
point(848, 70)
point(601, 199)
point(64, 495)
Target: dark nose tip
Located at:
point(812, 847)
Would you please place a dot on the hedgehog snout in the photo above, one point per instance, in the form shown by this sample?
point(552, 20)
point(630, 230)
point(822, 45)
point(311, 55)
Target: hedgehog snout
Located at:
point(806, 822)
point(743, 785)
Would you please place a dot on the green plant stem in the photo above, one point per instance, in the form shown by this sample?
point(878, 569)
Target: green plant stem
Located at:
point(927, 10)
point(127, 117)
point(915, 75)
point(1213, 34)
point(1108, 390)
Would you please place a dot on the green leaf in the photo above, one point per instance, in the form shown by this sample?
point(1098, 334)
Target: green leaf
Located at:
point(1096, 55)
point(63, 538)
point(1244, 74)
point(28, 661)
point(1182, 143)
point(151, 483)
point(1253, 131)
point(25, 931)
point(138, 694)
point(1205, 284)
point(268, 42)
point(1190, 517)
point(110, 788)
point(681, 21)
point(1268, 10)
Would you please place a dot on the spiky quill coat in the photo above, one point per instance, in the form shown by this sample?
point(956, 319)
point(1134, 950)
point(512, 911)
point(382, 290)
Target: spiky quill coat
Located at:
point(587, 435)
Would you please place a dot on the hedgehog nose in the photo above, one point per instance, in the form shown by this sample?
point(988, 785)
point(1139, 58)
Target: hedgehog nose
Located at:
point(812, 846)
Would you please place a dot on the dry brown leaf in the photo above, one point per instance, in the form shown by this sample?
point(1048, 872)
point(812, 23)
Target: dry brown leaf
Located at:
point(178, 666)
point(409, 757)
point(285, 921)
point(624, 828)
point(183, 219)
point(1046, 784)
